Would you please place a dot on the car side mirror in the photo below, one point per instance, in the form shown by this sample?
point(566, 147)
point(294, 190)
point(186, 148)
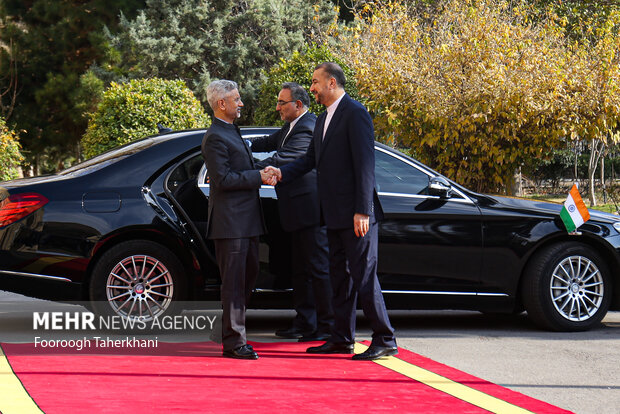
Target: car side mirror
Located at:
point(439, 187)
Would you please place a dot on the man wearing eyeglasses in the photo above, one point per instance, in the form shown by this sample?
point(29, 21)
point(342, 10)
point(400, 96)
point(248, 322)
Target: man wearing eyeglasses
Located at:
point(298, 205)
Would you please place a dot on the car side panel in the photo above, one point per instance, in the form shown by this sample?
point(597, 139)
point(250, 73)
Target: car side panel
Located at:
point(429, 244)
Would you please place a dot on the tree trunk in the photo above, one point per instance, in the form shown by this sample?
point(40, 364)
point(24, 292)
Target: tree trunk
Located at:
point(10, 84)
point(603, 180)
point(597, 148)
point(517, 183)
point(576, 161)
point(78, 153)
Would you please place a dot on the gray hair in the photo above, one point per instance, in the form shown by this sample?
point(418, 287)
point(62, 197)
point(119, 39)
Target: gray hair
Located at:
point(298, 93)
point(219, 89)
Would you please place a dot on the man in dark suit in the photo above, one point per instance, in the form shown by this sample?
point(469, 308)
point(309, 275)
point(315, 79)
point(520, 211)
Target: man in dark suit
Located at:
point(343, 154)
point(298, 205)
point(235, 216)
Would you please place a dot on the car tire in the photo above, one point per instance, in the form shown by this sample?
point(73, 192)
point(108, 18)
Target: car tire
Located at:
point(137, 279)
point(567, 287)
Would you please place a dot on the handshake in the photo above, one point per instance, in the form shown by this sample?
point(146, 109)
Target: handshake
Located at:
point(270, 175)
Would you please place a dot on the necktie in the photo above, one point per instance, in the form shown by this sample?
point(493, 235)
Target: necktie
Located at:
point(286, 128)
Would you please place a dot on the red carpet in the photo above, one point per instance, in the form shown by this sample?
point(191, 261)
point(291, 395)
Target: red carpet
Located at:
point(192, 378)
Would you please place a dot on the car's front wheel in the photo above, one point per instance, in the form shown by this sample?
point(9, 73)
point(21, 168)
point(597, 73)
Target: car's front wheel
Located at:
point(567, 287)
point(137, 279)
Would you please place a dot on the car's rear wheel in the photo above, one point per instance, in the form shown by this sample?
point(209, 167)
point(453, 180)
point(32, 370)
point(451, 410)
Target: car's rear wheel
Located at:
point(567, 287)
point(137, 279)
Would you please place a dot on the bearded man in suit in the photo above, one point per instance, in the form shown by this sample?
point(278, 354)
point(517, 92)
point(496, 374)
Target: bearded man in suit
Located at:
point(342, 151)
point(298, 205)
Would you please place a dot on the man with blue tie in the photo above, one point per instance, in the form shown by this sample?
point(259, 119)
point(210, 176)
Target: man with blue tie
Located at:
point(342, 152)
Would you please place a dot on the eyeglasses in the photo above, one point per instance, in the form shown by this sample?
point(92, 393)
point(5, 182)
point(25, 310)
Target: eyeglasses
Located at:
point(282, 103)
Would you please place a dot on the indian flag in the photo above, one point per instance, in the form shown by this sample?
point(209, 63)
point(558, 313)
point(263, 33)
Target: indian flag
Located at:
point(574, 213)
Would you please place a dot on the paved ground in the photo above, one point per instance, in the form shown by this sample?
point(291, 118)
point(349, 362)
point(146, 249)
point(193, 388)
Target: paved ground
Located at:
point(576, 371)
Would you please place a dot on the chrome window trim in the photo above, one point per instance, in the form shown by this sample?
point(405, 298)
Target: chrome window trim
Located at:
point(254, 135)
point(176, 165)
point(404, 195)
point(201, 176)
point(465, 198)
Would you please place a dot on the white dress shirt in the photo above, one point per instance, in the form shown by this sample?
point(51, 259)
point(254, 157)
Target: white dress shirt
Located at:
point(330, 113)
point(291, 126)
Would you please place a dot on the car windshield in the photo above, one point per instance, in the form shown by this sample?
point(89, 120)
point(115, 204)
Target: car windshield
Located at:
point(107, 158)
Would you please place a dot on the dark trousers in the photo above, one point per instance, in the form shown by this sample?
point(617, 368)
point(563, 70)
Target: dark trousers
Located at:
point(353, 271)
point(312, 291)
point(238, 263)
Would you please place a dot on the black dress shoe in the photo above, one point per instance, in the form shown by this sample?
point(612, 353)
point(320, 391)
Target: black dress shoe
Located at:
point(314, 336)
point(243, 352)
point(375, 352)
point(331, 348)
point(292, 333)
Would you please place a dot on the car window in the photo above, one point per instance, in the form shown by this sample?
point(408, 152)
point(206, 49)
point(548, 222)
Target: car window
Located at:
point(184, 175)
point(396, 176)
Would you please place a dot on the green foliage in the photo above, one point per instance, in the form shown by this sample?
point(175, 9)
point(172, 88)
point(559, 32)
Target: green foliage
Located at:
point(203, 40)
point(10, 155)
point(50, 43)
point(552, 167)
point(88, 96)
point(298, 68)
point(560, 164)
point(579, 17)
point(480, 89)
point(131, 111)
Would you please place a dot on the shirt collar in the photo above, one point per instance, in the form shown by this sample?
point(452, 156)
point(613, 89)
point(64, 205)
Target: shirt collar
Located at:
point(295, 120)
point(332, 108)
point(226, 122)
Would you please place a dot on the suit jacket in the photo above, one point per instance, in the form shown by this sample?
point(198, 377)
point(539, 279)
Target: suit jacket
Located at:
point(345, 165)
point(298, 200)
point(234, 201)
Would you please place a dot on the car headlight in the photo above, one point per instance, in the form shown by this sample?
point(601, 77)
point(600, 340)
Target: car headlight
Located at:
point(617, 226)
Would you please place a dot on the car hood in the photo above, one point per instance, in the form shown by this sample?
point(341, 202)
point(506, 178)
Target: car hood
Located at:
point(546, 207)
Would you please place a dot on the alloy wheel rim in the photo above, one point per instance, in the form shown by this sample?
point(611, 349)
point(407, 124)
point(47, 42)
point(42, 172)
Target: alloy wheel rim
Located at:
point(139, 287)
point(577, 288)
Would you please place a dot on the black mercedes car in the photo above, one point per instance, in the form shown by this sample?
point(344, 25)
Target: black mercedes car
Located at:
point(124, 231)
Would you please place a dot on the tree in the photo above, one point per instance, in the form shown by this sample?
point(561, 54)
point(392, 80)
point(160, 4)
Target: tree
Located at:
point(552, 167)
point(591, 29)
point(10, 155)
point(297, 68)
point(202, 40)
point(132, 111)
point(579, 17)
point(50, 44)
point(480, 88)
point(8, 78)
point(592, 104)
